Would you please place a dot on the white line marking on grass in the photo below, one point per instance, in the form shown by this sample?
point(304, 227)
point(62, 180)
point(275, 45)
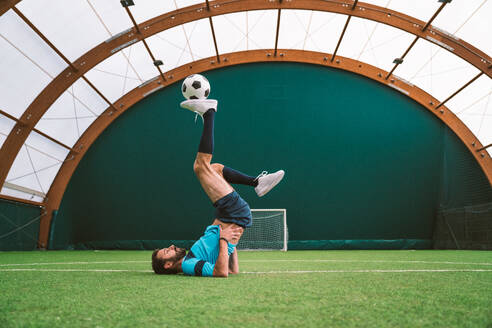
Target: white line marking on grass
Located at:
point(259, 272)
point(74, 270)
point(61, 263)
point(250, 261)
point(370, 271)
point(369, 261)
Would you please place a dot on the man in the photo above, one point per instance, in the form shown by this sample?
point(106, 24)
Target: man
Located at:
point(214, 254)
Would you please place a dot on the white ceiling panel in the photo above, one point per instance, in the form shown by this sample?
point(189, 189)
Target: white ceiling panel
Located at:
point(381, 3)
point(248, 30)
point(171, 47)
point(473, 106)
point(231, 32)
point(383, 45)
point(63, 130)
point(374, 43)
point(439, 73)
point(114, 77)
point(52, 150)
point(480, 125)
point(262, 27)
point(477, 29)
point(62, 121)
point(472, 98)
point(357, 38)
point(27, 42)
point(199, 34)
point(111, 15)
point(294, 28)
point(47, 175)
point(71, 26)
point(29, 180)
point(6, 126)
point(22, 172)
point(468, 20)
point(184, 3)
point(88, 98)
point(46, 157)
point(324, 31)
point(421, 9)
point(148, 9)
point(21, 79)
point(83, 123)
point(140, 62)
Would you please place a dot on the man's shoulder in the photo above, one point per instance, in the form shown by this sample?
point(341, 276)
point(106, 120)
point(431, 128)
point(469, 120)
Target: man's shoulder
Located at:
point(188, 264)
point(194, 266)
point(213, 228)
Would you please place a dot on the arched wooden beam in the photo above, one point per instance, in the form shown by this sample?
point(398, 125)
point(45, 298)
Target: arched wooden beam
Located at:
point(5, 5)
point(48, 96)
point(60, 183)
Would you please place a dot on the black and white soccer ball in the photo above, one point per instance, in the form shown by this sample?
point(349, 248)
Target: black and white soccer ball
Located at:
point(195, 86)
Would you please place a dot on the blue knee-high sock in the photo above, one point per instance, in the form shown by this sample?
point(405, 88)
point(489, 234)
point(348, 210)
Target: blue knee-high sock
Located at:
point(207, 140)
point(236, 177)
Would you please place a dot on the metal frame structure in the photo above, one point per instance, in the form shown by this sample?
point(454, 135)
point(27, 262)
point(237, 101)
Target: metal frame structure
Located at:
point(75, 70)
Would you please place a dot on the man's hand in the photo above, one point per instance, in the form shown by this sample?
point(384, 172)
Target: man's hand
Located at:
point(231, 233)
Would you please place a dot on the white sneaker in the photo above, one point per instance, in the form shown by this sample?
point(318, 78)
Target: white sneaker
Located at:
point(267, 181)
point(199, 106)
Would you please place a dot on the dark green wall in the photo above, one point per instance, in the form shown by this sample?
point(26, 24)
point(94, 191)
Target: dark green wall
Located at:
point(362, 162)
point(19, 226)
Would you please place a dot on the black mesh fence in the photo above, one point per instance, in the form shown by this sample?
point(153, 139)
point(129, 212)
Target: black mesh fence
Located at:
point(469, 227)
point(464, 218)
point(19, 225)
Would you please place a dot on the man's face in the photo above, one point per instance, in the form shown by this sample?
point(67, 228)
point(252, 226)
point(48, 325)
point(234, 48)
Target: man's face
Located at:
point(171, 253)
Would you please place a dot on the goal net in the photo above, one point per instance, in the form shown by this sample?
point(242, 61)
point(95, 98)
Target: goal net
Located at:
point(268, 232)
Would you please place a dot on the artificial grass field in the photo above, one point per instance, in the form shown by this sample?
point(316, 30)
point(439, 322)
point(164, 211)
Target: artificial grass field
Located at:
point(293, 289)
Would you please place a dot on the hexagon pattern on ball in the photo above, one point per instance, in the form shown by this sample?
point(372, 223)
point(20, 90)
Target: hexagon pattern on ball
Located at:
point(195, 86)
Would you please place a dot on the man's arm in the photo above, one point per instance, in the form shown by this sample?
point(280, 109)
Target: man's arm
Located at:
point(221, 268)
point(233, 263)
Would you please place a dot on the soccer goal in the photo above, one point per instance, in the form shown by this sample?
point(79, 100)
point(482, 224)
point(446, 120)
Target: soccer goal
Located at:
point(268, 232)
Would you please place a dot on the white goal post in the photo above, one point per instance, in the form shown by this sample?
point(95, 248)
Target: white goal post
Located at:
point(268, 231)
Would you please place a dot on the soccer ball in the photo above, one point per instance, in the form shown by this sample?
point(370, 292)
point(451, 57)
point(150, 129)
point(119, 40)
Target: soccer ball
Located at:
point(195, 86)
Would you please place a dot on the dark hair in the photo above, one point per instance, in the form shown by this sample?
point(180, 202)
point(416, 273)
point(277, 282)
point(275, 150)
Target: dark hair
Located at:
point(158, 265)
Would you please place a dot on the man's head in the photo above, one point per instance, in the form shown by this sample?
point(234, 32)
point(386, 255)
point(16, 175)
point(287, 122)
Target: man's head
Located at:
point(167, 260)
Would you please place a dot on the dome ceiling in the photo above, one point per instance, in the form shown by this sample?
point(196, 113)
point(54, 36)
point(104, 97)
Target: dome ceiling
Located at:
point(40, 39)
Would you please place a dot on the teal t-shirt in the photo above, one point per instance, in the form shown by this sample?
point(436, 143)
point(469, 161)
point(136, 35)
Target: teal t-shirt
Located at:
point(200, 260)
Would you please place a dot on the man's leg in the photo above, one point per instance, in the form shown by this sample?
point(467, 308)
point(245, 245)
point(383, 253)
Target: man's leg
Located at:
point(214, 184)
point(262, 183)
point(234, 177)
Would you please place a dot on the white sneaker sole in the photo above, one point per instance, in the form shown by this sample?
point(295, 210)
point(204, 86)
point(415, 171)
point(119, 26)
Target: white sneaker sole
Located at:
point(201, 105)
point(272, 184)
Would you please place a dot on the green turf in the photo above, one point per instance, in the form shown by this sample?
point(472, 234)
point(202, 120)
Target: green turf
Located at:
point(139, 298)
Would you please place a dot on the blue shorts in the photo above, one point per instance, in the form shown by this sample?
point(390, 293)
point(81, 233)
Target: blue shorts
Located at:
point(233, 209)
